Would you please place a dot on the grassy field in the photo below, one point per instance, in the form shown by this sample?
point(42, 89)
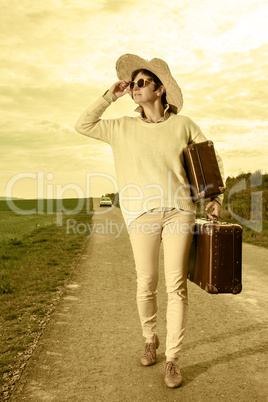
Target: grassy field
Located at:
point(37, 258)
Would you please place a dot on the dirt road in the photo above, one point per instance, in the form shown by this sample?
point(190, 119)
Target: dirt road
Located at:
point(90, 350)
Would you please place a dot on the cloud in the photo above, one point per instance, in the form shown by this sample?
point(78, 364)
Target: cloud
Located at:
point(58, 56)
point(116, 6)
point(52, 144)
point(237, 91)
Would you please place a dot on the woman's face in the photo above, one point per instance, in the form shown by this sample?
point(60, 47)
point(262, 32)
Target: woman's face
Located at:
point(145, 95)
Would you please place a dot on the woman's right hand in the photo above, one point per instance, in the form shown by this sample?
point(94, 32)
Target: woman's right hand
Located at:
point(119, 88)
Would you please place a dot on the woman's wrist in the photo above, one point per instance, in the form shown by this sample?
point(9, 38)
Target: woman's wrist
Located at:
point(109, 96)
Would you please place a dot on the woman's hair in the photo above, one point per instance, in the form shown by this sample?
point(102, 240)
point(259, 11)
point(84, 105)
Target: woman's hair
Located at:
point(155, 79)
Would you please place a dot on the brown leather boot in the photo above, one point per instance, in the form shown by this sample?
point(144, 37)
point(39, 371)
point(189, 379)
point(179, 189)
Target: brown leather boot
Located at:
point(149, 356)
point(173, 378)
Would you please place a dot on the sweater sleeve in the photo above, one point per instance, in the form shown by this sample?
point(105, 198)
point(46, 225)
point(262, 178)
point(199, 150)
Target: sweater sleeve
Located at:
point(90, 123)
point(195, 136)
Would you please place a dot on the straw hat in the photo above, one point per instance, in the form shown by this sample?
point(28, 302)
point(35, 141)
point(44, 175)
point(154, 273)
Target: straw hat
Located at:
point(128, 63)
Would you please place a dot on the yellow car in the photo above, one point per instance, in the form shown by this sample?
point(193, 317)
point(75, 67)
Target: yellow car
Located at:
point(106, 202)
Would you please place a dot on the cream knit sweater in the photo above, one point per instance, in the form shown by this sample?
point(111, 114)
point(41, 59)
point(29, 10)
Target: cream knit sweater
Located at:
point(148, 157)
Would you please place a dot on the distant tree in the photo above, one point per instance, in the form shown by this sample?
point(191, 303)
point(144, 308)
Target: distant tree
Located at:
point(115, 198)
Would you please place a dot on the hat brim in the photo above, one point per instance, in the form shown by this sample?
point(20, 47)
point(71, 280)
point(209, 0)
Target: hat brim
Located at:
point(128, 63)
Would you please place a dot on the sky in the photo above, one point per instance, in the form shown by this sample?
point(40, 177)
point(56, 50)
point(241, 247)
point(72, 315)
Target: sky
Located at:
point(58, 56)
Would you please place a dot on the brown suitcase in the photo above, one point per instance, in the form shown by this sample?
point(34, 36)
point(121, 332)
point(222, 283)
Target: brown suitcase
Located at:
point(203, 171)
point(215, 257)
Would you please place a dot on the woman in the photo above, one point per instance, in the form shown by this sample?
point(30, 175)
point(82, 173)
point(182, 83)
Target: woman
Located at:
point(154, 192)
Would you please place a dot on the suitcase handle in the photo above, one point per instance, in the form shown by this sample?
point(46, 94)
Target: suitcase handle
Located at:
point(214, 216)
point(214, 220)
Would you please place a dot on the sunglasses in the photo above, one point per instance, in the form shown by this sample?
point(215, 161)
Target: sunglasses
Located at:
point(141, 83)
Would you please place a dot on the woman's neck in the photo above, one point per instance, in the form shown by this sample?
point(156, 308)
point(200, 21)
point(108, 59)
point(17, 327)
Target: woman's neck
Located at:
point(153, 112)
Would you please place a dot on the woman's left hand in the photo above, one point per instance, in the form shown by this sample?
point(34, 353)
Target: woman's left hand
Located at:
point(215, 209)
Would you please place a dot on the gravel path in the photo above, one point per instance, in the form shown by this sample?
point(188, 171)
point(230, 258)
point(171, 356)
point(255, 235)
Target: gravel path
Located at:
point(90, 350)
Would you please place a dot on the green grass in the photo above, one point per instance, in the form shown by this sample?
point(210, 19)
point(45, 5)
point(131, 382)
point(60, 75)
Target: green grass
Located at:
point(240, 203)
point(37, 258)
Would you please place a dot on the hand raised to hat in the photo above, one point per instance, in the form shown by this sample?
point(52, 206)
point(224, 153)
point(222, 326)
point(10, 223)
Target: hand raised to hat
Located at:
point(119, 88)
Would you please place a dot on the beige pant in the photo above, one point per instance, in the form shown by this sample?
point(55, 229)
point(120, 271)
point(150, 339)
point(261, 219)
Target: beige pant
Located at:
point(175, 229)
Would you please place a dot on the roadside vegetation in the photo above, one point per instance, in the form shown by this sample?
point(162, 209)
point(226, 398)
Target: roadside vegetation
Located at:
point(246, 196)
point(115, 198)
point(37, 259)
